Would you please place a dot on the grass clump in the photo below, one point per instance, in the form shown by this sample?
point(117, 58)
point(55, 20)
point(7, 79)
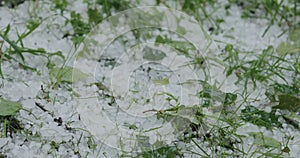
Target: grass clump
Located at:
point(81, 27)
point(258, 68)
point(15, 52)
point(9, 123)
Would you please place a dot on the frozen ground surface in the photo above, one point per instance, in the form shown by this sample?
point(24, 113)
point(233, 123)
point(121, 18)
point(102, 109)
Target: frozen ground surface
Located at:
point(73, 123)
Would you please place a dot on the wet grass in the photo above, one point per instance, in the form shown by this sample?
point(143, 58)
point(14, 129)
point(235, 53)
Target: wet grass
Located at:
point(274, 70)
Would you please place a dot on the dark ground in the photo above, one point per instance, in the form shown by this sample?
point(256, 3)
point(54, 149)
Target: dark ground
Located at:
point(11, 3)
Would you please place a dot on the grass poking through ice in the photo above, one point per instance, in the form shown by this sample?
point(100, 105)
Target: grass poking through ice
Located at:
point(266, 98)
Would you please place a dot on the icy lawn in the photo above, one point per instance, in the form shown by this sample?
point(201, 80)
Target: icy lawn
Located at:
point(83, 79)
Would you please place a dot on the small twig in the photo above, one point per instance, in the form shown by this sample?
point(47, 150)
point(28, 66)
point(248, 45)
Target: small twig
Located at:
point(151, 110)
point(154, 110)
point(4, 145)
point(41, 106)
